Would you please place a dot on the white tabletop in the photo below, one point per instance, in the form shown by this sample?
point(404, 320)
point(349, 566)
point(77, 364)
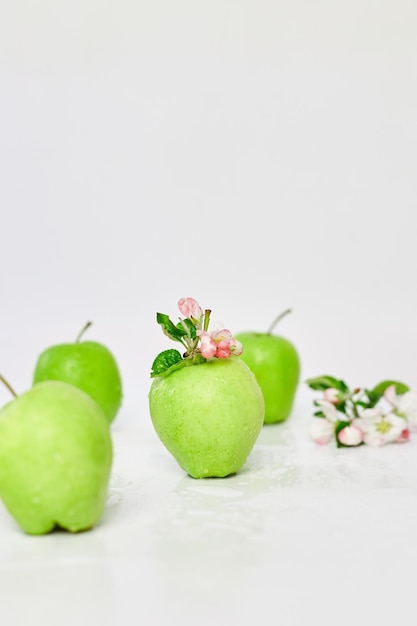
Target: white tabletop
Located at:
point(301, 534)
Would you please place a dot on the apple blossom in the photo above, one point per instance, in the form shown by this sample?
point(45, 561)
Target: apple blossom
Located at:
point(405, 405)
point(219, 343)
point(193, 333)
point(226, 343)
point(379, 428)
point(378, 416)
point(329, 410)
point(321, 430)
point(207, 345)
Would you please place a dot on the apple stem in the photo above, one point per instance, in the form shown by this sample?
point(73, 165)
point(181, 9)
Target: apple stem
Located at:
point(278, 319)
point(8, 385)
point(80, 334)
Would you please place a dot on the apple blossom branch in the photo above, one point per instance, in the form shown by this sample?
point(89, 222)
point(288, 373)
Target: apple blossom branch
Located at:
point(387, 413)
point(192, 331)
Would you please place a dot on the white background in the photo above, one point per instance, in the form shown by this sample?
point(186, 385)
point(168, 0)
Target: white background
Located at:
point(255, 155)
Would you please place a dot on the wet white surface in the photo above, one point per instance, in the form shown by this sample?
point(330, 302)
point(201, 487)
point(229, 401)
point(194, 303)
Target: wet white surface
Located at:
point(302, 534)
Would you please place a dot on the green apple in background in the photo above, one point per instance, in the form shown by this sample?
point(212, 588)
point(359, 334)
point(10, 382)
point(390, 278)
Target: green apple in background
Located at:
point(276, 364)
point(208, 415)
point(55, 458)
point(88, 365)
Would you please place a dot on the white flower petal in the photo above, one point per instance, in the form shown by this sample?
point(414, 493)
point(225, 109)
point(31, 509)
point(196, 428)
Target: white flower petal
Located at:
point(397, 426)
point(329, 410)
point(369, 417)
point(407, 405)
point(321, 430)
point(374, 439)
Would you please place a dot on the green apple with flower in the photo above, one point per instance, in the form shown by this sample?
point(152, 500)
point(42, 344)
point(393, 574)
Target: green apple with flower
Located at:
point(205, 403)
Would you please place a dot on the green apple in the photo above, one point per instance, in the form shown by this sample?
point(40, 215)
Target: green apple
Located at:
point(208, 415)
point(88, 365)
point(276, 364)
point(55, 458)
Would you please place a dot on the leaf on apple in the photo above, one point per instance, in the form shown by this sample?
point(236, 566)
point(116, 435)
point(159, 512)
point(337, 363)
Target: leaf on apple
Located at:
point(164, 361)
point(171, 360)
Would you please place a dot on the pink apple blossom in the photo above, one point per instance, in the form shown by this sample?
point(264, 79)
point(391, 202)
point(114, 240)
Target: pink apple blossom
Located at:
point(207, 345)
point(219, 343)
point(321, 430)
point(190, 309)
point(226, 343)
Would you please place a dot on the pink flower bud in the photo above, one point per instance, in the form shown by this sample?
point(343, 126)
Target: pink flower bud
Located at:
point(190, 308)
point(350, 435)
point(331, 395)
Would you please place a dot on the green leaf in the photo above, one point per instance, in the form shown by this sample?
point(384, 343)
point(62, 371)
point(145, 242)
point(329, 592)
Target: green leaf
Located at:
point(375, 394)
point(341, 407)
point(400, 388)
point(320, 383)
point(373, 398)
point(170, 330)
point(192, 331)
point(164, 361)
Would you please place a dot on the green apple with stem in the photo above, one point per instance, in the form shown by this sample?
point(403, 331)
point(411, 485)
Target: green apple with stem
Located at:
point(55, 458)
point(205, 405)
point(88, 365)
point(276, 364)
